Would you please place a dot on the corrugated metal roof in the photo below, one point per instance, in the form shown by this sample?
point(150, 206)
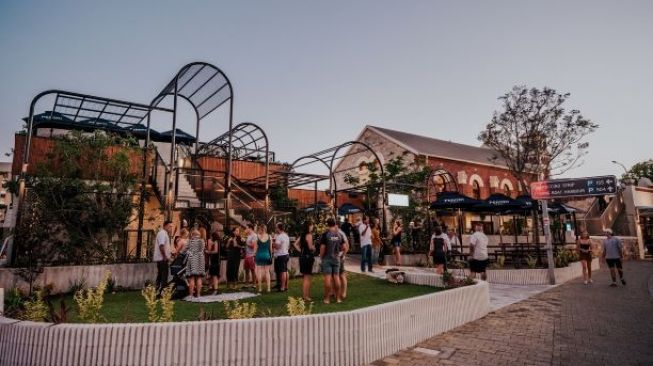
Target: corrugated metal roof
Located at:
point(429, 146)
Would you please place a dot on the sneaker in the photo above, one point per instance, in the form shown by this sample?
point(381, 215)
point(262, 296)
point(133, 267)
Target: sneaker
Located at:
point(623, 282)
point(591, 281)
point(613, 284)
point(585, 282)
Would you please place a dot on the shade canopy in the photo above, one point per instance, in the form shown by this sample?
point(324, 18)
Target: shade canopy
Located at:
point(319, 206)
point(498, 203)
point(453, 200)
point(562, 209)
point(181, 137)
point(348, 208)
point(527, 202)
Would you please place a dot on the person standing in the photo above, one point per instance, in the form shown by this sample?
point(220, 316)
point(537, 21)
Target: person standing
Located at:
point(281, 256)
point(376, 241)
point(263, 257)
point(213, 251)
point(250, 250)
point(438, 249)
point(346, 228)
point(344, 249)
point(584, 247)
point(366, 244)
point(234, 253)
point(162, 255)
point(454, 242)
point(304, 245)
point(331, 245)
point(396, 241)
point(612, 255)
point(195, 269)
point(479, 258)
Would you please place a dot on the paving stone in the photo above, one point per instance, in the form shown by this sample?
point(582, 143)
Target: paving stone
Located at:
point(571, 324)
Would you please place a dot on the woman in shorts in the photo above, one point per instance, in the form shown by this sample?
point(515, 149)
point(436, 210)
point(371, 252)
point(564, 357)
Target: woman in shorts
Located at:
point(396, 241)
point(304, 245)
point(584, 247)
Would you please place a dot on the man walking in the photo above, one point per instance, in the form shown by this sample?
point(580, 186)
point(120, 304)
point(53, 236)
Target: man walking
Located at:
point(162, 254)
point(281, 256)
point(366, 244)
point(331, 245)
point(612, 254)
point(479, 257)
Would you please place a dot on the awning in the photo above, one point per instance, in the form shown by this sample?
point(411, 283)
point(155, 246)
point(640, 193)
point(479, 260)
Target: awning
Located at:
point(498, 203)
point(348, 208)
point(453, 200)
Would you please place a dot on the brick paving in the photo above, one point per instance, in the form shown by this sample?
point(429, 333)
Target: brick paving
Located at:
point(571, 324)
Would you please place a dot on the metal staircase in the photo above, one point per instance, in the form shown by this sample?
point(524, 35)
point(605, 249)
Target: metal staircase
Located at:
point(598, 220)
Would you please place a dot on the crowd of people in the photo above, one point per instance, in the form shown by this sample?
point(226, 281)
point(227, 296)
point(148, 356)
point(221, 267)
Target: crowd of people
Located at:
point(262, 252)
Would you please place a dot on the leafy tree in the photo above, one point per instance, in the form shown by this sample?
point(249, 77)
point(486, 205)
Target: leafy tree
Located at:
point(78, 203)
point(533, 133)
point(643, 169)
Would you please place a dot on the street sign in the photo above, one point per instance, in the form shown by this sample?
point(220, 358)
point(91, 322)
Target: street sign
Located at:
point(575, 187)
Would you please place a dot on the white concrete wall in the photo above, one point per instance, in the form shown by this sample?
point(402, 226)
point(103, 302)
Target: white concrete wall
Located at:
point(537, 276)
point(345, 338)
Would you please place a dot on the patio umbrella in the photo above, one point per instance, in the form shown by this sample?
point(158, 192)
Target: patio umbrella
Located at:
point(180, 136)
point(348, 208)
point(319, 206)
point(454, 201)
point(498, 203)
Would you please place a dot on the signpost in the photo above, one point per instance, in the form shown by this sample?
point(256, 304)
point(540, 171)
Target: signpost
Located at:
point(565, 188)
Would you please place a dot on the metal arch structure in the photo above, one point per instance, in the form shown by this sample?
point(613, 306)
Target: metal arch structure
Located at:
point(448, 181)
point(206, 88)
point(329, 158)
point(248, 140)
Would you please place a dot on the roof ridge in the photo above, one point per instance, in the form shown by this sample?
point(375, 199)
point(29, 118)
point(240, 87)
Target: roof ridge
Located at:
point(430, 138)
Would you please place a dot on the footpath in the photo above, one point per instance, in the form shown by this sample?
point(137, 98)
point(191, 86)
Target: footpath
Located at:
point(571, 324)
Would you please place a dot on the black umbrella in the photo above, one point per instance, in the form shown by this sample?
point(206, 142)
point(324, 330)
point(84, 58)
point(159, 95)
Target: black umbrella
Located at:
point(180, 136)
point(453, 200)
point(527, 202)
point(498, 203)
point(348, 208)
point(319, 206)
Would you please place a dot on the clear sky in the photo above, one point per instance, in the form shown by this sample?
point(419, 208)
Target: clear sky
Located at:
point(313, 74)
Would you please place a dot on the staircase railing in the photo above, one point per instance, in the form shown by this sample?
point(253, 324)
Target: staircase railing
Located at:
point(612, 211)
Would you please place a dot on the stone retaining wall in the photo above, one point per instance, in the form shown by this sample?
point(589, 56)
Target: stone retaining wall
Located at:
point(346, 338)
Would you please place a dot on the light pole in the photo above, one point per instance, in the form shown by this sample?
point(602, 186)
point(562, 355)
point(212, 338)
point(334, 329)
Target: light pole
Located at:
point(621, 165)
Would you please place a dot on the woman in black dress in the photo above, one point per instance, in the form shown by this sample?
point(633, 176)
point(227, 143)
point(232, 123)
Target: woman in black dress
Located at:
point(234, 250)
point(304, 245)
point(438, 250)
point(213, 251)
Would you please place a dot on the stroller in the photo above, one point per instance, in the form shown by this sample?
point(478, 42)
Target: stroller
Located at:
point(178, 271)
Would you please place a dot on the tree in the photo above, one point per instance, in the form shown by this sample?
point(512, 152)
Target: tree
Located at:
point(78, 202)
point(643, 169)
point(534, 134)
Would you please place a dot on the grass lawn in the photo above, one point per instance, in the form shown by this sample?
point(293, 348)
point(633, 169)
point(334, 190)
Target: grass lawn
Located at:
point(129, 306)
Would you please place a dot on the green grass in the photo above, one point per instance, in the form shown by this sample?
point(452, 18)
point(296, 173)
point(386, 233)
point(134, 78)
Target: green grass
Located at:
point(129, 306)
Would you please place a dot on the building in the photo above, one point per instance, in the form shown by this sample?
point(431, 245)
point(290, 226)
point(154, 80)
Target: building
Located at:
point(470, 170)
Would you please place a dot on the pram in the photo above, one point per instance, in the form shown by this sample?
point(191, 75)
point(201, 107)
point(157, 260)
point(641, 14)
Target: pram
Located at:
point(178, 272)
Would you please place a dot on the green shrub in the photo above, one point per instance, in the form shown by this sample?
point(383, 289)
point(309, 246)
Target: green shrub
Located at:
point(14, 302)
point(237, 310)
point(297, 306)
point(165, 303)
point(90, 301)
point(531, 262)
point(35, 309)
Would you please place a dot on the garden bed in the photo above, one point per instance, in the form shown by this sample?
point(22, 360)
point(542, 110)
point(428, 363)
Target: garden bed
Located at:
point(342, 337)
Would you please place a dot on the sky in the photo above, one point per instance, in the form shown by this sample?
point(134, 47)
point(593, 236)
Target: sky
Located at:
point(313, 74)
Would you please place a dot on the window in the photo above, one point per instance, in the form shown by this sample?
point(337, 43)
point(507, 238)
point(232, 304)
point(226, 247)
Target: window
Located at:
point(438, 182)
point(476, 190)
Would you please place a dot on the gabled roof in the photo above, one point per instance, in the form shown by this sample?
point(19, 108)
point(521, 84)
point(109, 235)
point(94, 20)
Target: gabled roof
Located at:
point(422, 145)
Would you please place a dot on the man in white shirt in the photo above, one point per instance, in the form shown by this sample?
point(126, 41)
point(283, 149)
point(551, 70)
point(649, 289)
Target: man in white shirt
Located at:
point(366, 244)
point(479, 257)
point(162, 254)
point(281, 256)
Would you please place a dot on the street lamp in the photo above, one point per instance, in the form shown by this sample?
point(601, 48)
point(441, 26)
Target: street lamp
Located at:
point(627, 179)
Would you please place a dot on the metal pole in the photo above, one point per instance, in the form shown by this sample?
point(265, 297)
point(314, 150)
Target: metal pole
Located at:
point(549, 244)
point(173, 148)
point(227, 203)
point(141, 205)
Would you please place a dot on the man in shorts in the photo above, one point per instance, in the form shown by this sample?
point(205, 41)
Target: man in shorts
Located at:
point(281, 256)
point(612, 254)
point(250, 251)
point(479, 257)
point(331, 245)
